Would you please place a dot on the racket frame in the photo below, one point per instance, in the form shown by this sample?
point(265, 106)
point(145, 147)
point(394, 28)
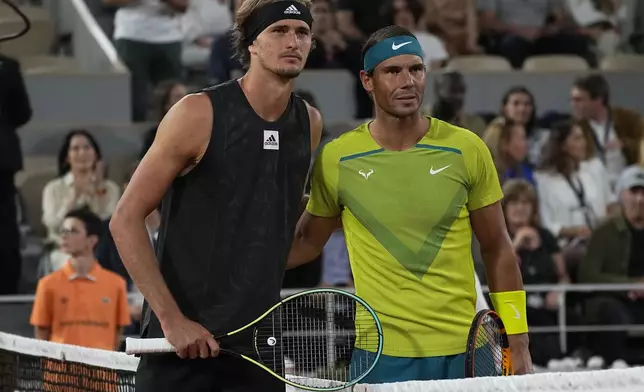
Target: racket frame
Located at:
point(470, 354)
point(269, 311)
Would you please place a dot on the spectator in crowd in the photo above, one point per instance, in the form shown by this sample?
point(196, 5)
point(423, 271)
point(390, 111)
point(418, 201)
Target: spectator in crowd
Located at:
point(574, 194)
point(519, 29)
point(332, 49)
point(81, 304)
point(223, 62)
point(81, 182)
point(359, 19)
point(15, 111)
point(450, 91)
point(541, 262)
point(167, 94)
point(616, 255)
point(456, 23)
point(615, 133)
point(203, 22)
point(518, 104)
point(148, 38)
point(602, 21)
point(408, 14)
point(508, 145)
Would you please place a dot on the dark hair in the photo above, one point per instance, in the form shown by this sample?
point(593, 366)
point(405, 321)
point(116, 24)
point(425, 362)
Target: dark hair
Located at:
point(529, 127)
point(595, 85)
point(91, 221)
point(555, 158)
point(381, 35)
point(63, 165)
point(388, 12)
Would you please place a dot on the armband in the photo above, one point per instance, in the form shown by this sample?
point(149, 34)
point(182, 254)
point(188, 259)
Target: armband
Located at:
point(511, 307)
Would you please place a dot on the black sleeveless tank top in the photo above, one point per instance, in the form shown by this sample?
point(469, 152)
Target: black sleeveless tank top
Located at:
point(227, 225)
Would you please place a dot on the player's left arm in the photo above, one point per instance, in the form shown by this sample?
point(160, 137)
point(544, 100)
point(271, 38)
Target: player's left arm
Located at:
point(315, 119)
point(501, 264)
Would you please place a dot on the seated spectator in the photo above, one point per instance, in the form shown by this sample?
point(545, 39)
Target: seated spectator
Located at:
point(332, 49)
point(168, 93)
point(601, 21)
point(519, 29)
point(148, 38)
point(540, 261)
point(615, 133)
point(81, 183)
point(81, 304)
point(456, 23)
point(507, 143)
point(204, 21)
point(223, 62)
point(574, 194)
point(407, 14)
point(518, 105)
point(450, 91)
point(616, 255)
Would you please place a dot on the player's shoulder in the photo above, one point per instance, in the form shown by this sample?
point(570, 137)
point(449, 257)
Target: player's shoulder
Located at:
point(456, 137)
point(354, 141)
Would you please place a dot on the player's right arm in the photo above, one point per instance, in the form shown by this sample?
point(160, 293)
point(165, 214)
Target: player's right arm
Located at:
point(322, 214)
point(42, 313)
point(182, 138)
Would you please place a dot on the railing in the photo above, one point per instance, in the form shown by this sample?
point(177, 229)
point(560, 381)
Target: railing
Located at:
point(562, 328)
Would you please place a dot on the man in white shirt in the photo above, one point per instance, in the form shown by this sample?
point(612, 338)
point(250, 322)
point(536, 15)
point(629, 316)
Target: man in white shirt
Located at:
point(616, 132)
point(148, 38)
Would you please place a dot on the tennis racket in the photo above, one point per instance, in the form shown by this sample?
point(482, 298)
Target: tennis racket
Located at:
point(306, 340)
point(488, 348)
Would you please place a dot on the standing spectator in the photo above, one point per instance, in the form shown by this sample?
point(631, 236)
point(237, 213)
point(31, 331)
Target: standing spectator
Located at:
point(508, 145)
point(359, 19)
point(81, 183)
point(574, 194)
point(450, 91)
point(456, 23)
point(15, 111)
point(518, 105)
point(203, 22)
point(332, 49)
point(223, 61)
point(602, 21)
point(148, 37)
point(616, 255)
point(616, 134)
point(81, 304)
point(519, 29)
point(408, 14)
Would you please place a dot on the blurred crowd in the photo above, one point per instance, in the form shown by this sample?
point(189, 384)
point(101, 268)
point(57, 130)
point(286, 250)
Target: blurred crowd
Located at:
point(573, 179)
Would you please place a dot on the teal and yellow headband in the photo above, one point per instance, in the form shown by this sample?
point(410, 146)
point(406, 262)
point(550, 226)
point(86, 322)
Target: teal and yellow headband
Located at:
point(391, 47)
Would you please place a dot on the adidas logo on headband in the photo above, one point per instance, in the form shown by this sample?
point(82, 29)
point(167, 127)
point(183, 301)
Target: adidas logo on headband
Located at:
point(291, 10)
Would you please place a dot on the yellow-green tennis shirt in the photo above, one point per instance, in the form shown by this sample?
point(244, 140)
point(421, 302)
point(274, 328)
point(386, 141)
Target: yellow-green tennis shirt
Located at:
point(406, 221)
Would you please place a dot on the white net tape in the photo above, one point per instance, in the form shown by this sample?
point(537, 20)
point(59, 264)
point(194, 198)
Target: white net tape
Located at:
point(616, 380)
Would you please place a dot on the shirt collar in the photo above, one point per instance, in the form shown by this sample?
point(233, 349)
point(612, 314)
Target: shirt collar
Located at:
point(68, 270)
point(68, 178)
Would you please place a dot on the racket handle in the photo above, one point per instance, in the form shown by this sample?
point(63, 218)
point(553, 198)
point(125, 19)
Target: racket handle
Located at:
point(141, 346)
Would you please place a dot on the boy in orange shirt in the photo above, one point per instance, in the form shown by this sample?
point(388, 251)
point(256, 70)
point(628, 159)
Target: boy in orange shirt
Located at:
point(81, 303)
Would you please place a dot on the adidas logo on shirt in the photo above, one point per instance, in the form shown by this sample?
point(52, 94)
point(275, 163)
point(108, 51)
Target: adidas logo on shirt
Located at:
point(271, 140)
point(292, 10)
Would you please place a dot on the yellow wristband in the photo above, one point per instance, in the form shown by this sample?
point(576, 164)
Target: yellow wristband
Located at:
point(511, 306)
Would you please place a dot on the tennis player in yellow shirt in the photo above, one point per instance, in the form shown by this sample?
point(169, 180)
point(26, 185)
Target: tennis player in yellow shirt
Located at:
point(410, 190)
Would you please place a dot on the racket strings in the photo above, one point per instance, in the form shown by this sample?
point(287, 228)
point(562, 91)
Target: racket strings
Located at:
point(314, 337)
point(489, 358)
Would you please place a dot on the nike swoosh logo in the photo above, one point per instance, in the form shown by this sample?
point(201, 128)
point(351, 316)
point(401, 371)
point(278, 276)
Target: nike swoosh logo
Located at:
point(432, 171)
point(396, 47)
point(516, 311)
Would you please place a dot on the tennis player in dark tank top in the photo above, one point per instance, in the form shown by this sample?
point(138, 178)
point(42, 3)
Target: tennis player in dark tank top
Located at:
point(228, 166)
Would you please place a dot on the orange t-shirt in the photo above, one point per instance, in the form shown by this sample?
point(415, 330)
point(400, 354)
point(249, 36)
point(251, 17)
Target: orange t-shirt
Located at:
point(84, 311)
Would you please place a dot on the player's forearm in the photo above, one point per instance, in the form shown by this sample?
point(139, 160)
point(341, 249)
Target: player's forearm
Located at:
point(133, 244)
point(502, 269)
point(302, 252)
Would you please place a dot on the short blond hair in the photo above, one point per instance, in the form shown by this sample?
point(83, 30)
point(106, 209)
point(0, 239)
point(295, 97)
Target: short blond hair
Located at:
point(245, 10)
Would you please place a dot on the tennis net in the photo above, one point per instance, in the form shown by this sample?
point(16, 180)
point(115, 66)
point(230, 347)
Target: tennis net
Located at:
point(31, 365)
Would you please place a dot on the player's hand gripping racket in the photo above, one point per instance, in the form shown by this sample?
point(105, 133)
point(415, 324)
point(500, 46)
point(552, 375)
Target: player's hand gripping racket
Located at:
point(488, 348)
point(305, 340)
